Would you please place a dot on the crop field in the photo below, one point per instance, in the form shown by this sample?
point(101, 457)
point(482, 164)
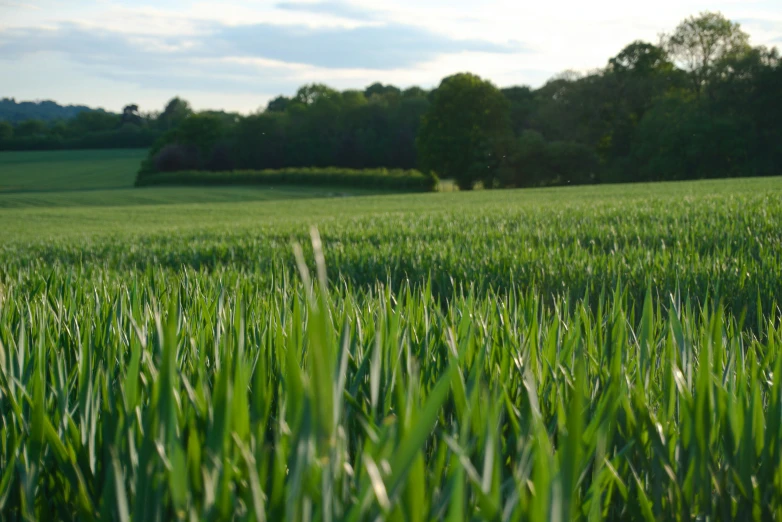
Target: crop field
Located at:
point(105, 178)
point(68, 170)
point(584, 353)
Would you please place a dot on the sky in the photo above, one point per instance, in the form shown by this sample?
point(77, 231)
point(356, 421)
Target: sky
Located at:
point(236, 55)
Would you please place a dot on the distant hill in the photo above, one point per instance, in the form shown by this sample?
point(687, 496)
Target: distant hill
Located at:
point(14, 112)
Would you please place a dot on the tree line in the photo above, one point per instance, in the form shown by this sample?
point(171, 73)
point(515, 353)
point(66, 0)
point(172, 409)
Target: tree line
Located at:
point(14, 112)
point(55, 127)
point(700, 103)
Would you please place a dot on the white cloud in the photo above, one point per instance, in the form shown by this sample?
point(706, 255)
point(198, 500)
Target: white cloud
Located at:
point(210, 53)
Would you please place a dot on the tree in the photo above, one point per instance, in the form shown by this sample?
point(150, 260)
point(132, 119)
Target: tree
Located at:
point(747, 91)
point(640, 59)
point(701, 42)
point(535, 162)
point(176, 111)
point(640, 74)
point(93, 121)
point(278, 104)
point(260, 141)
point(190, 145)
point(678, 139)
point(352, 99)
point(466, 131)
point(378, 89)
point(522, 103)
point(131, 115)
point(414, 92)
point(571, 163)
point(30, 129)
point(6, 131)
point(528, 161)
point(314, 93)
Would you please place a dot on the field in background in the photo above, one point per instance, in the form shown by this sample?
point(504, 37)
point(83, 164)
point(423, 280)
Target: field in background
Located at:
point(105, 178)
point(192, 210)
point(69, 170)
point(601, 353)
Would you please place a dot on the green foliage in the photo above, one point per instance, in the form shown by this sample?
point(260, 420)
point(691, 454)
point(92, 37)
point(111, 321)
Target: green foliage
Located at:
point(319, 127)
point(93, 121)
point(700, 43)
point(195, 139)
point(30, 129)
point(176, 111)
point(377, 89)
point(334, 177)
point(534, 162)
point(611, 367)
point(15, 112)
point(201, 131)
point(640, 59)
point(6, 130)
point(677, 140)
point(466, 131)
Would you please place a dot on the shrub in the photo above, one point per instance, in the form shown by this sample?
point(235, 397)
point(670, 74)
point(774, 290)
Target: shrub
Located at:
point(353, 178)
point(221, 158)
point(176, 157)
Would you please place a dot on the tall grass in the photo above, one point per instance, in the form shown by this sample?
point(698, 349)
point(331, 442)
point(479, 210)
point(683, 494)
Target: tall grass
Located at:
point(187, 395)
point(591, 358)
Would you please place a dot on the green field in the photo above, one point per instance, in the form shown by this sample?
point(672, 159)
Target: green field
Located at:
point(105, 178)
point(584, 353)
point(68, 170)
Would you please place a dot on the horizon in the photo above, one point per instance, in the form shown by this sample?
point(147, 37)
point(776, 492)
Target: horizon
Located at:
point(238, 57)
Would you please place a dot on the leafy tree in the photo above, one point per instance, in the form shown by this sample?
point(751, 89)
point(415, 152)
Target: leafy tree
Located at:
point(315, 93)
point(527, 165)
point(202, 131)
point(466, 131)
point(260, 141)
point(522, 105)
point(131, 115)
point(572, 163)
point(678, 139)
point(14, 111)
point(535, 162)
point(176, 111)
point(747, 92)
point(191, 145)
point(702, 42)
point(352, 99)
point(640, 74)
point(278, 104)
point(174, 157)
point(414, 92)
point(6, 131)
point(640, 59)
point(93, 121)
point(30, 129)
point(57, 130)
point(378, 89)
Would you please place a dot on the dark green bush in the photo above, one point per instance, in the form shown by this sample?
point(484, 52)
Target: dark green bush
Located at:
point(396, 179)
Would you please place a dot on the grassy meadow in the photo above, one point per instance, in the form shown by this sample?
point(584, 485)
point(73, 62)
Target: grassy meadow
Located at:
point(581, 353)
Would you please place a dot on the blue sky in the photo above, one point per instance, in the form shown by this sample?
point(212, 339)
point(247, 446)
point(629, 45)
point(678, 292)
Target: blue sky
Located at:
point(236, 55)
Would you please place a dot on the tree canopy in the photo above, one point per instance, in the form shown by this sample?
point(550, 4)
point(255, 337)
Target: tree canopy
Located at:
point(465, 133)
